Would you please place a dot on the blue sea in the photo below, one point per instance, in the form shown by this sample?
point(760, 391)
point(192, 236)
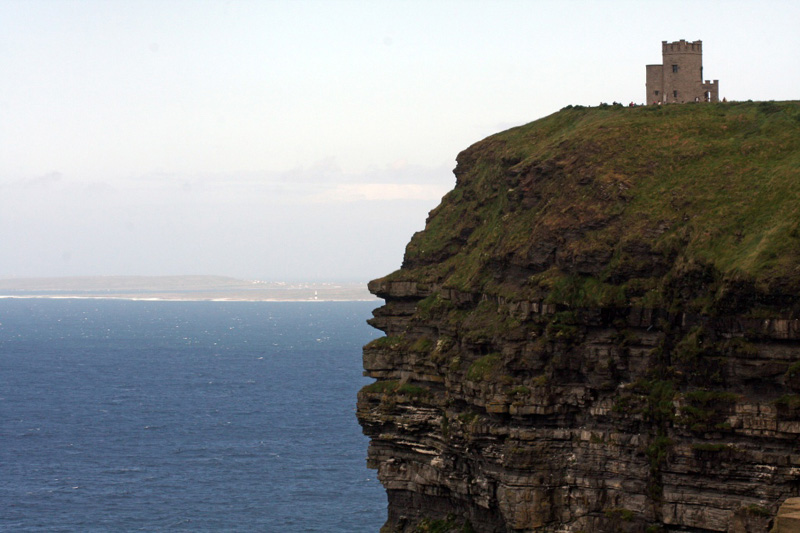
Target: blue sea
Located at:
point(119, 415)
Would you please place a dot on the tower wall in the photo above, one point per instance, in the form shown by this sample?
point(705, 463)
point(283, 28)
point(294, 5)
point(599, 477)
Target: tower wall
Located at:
point(683, 71)
point(679, 79)
point(711, 90)
point(655, 84)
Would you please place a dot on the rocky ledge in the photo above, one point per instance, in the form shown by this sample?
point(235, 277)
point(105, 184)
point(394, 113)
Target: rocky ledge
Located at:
point(598, 329)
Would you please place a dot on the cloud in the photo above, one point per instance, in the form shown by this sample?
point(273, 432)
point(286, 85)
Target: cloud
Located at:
point(321, 182)
point(357, 192)
point(325, 170)
point(246, 224)
point(99, 187)
point(44, 180)
point(328, 171)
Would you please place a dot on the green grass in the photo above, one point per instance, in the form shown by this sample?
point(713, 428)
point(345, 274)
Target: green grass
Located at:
point(446, 525)
point(645, 193)
point(422, 345)
point(790, 402)
point(388, 342)
point(758, 510)
point(793, 370)
point(392, 387)
point(619, 513)
point(484, 367)
point(706, 410)
point(709, 398)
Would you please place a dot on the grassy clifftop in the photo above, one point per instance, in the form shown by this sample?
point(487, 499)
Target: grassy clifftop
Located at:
point(626, 206)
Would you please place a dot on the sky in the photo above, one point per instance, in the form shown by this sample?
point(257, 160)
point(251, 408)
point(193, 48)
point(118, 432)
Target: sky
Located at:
point(306, 140)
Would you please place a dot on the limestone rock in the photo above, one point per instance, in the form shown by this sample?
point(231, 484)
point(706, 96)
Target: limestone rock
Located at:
point(583, 338)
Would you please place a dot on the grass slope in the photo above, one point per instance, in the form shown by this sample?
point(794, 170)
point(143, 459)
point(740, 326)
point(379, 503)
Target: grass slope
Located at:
point(623, 201)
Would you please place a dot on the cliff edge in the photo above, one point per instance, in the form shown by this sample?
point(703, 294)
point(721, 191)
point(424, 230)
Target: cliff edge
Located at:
point(598, 329)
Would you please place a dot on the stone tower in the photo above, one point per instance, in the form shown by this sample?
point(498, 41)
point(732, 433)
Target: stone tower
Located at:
point(679, 78)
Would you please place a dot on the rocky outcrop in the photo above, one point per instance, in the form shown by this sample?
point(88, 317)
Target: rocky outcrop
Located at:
point(577, 342)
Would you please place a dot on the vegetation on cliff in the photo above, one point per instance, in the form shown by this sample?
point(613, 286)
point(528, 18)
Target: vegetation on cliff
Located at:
point(612, 205)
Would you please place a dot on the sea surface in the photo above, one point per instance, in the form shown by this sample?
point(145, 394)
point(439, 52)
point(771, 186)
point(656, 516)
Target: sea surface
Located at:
point(119, 415)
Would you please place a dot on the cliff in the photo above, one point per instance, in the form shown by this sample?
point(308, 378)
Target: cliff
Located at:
point(598, 329)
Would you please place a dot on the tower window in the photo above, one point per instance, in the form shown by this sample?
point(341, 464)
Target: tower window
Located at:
point(675, 94)
point(674, 68)
point(656, 93)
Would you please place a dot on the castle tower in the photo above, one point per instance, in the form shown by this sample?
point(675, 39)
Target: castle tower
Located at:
point(679, 79)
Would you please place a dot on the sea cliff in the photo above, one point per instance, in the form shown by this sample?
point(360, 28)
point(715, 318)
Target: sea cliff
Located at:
point(598, 329)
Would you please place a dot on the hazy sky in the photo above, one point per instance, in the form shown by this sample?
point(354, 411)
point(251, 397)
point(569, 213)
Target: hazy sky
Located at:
point(291, 140)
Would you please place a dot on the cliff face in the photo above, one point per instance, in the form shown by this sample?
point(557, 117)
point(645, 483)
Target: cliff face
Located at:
point(598, 329)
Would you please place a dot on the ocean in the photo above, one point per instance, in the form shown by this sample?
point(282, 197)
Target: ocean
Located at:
point(120, 415)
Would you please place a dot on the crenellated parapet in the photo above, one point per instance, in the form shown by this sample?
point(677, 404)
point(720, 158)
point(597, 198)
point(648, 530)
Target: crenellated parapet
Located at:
point(682, 47)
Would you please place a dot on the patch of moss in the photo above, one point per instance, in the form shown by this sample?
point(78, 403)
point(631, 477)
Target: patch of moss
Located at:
point(788, 405)
point(451, 524)
point(433, 305)
point(758, 510)
point(708, 398)
point(584, 292)
point(740, 347)
point(392, 387)
point(657, 453)
point(484, 367)
point(660, 407)
point(381, 387)
point(422, 345)
point(486, 322)
point(540, 380)
point(706, 410)
point(793, 371)
point(467, 417)
point(455, 363)
point(619, 513)
point(691, 347)
point(388, 342)
point(564, 327)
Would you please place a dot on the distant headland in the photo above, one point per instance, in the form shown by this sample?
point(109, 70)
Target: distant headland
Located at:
point(197, 288)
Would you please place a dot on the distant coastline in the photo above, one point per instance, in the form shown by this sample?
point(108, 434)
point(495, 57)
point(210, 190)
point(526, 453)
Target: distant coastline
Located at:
point(181, 288)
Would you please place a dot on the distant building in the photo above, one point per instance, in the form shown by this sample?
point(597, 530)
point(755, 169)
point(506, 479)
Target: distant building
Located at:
point(679, 78)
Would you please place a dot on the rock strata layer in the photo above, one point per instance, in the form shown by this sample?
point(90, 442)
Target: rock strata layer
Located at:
point(598, 330)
